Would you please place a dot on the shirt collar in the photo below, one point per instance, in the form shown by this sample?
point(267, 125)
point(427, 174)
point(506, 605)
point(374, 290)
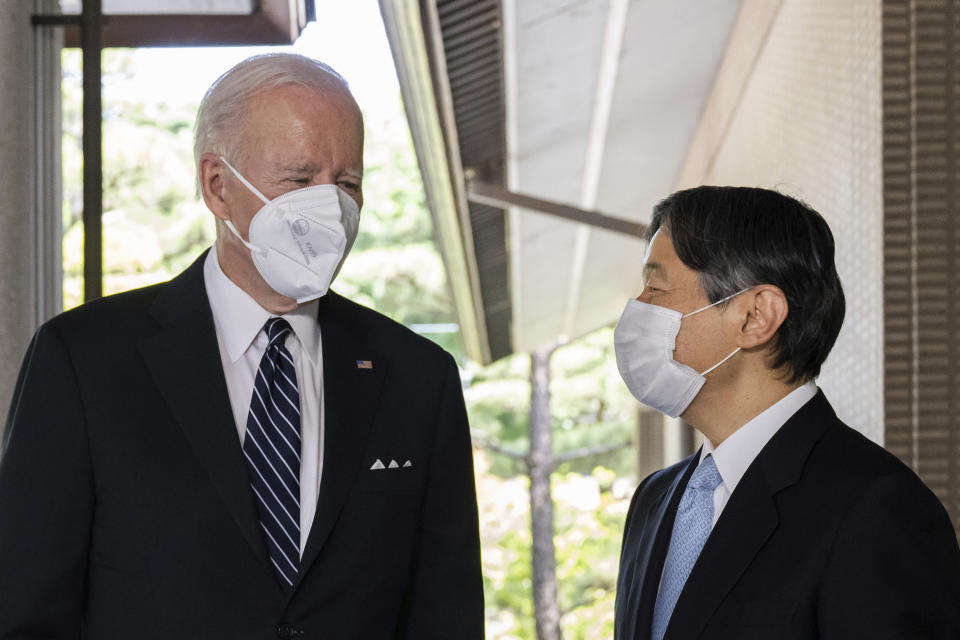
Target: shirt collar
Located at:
point(239, 318)
point(303, 321)
point(738, 451)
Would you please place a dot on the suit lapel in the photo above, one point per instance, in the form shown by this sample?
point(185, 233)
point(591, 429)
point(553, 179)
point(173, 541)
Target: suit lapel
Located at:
point(744, 526)
point(651, 550)
point(350, 400)
point(749, 518)
point(184, 360)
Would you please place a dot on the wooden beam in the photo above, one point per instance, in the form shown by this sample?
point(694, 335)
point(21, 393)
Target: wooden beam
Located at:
point(273, 22)
point(496, 196)
point(91, 23)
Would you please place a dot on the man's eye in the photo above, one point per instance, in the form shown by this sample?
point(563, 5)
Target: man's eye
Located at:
point(349, 186)
point(300, 180)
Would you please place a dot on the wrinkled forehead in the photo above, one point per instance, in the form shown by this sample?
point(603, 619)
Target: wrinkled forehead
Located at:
point(332, 98)
point(292, 116)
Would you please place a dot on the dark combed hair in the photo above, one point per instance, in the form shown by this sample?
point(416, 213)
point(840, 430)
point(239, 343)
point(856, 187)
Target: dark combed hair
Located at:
point(738, 237)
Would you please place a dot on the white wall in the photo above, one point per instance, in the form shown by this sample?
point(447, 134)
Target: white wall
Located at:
point(29, 183)
point(797, 107)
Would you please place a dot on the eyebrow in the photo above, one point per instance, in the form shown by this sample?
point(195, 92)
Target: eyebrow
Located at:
point(654, 267)
point(309, 168)
point(297, 168)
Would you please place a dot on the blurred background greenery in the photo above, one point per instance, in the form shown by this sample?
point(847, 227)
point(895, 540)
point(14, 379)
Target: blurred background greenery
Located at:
point(154, 226)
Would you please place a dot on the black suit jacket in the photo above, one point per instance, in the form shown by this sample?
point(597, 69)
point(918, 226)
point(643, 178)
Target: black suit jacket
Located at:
point(827, 535)
point(125, 504)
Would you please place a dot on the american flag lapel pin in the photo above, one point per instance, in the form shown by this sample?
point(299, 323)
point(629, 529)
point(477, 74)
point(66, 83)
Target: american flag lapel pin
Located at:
point(364, 364)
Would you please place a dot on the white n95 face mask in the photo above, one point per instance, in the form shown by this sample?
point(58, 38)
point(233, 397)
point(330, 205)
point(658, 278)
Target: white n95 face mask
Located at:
point(644, 341)
point(299, 240)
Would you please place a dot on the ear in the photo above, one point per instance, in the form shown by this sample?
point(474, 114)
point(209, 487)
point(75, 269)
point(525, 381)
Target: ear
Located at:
point(766, 309)
point(211, 173)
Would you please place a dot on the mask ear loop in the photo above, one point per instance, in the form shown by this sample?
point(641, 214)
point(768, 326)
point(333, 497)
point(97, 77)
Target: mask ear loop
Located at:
point(712, 304)
point(732, 353)
point(246, 183)
point(229, 223)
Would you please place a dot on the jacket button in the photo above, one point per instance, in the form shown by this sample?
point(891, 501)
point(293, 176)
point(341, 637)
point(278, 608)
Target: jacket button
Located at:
point(288, 631)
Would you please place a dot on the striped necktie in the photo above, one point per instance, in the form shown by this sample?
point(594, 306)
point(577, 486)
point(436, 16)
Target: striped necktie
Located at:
point(272, 450)
point(691, 529)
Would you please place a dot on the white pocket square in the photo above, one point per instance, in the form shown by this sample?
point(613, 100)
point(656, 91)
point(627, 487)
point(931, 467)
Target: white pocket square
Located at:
point(378, 465)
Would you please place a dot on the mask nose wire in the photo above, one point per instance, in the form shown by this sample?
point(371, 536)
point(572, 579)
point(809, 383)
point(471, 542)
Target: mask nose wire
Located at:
point(246, 183)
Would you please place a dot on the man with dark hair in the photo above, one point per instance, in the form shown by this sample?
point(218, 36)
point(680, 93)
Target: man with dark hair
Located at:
point(787, 523)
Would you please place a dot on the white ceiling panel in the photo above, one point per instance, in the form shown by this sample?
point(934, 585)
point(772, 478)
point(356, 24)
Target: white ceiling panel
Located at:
point(568, 279)
point(555, 53)
point(550, 129)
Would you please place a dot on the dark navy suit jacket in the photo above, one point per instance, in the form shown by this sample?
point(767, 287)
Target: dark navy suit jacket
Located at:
point(827, 535)
point(125, 501)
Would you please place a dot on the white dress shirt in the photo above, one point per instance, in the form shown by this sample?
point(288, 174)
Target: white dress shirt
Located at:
point(239, 321)
point(738, 451)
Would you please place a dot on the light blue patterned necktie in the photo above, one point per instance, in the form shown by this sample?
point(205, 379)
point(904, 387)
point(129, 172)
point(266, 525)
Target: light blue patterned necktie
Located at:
point(690, 531)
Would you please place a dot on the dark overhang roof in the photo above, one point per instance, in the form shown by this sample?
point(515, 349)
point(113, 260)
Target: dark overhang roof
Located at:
point(456, 117)
point(471, 33)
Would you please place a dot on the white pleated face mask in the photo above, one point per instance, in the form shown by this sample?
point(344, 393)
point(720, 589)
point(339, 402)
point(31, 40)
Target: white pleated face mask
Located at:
point(644, 341)
point(299, 240)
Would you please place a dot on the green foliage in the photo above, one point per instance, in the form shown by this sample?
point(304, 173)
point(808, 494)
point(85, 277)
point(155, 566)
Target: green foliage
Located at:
point(589, 517)
point(395, 212)
point(498, 402)
point(152, 224)
point(589, 405)
point(588, 553)
point(514, 596)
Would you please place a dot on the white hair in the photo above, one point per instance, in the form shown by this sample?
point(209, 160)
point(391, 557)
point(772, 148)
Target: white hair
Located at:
point(220, 119)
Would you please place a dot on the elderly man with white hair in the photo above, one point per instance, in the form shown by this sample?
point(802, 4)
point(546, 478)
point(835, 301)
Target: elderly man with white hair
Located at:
point(240, 453)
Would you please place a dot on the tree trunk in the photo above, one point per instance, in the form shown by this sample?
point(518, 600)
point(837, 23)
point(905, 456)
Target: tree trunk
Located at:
point(540, 464)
